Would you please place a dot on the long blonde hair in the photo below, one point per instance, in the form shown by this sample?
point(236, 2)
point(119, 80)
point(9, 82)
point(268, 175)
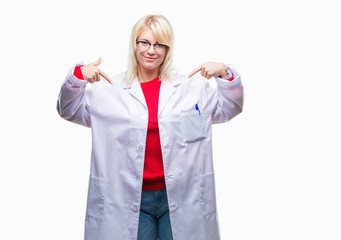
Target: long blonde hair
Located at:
point(163, 33)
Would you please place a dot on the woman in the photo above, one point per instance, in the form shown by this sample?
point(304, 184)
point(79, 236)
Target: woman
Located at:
point(151, 166)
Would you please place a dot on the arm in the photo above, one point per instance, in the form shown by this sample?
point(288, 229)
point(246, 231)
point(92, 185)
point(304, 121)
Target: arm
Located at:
point(227, 99)
point(73, 101)
point(230, 95)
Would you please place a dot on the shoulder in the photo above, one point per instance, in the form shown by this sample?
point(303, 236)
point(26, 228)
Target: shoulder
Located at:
point(184, 79)
point(194, 82)
point(117, 80)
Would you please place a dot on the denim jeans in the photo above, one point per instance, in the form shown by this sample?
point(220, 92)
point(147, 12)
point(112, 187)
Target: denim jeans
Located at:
point(154, 220)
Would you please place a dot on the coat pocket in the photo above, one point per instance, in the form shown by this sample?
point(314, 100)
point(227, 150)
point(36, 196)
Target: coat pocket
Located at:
point(193, 126)
point(207, 194)
point(96, 196)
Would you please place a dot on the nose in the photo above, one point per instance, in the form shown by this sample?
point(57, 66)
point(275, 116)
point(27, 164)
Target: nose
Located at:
point(151, 49)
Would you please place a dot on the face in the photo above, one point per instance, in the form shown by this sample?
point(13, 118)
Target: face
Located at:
point(150, 58)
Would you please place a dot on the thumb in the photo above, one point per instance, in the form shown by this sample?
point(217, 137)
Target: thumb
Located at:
point(98, 62)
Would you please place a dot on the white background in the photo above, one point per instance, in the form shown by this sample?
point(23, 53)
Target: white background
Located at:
point(277, 164)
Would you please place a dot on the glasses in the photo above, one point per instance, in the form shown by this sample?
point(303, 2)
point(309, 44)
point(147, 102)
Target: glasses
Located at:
point(146, 45)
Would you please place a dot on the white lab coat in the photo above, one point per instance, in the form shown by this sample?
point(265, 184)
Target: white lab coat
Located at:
point(118, 116)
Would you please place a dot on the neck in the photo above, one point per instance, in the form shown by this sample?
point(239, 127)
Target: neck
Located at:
point(146, 76)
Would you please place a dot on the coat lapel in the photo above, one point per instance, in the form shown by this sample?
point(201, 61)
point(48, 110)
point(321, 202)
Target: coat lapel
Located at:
point(136, 91)
point(166, 91)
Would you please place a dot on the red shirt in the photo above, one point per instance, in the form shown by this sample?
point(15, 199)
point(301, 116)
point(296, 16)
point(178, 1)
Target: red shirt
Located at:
point(153, 173)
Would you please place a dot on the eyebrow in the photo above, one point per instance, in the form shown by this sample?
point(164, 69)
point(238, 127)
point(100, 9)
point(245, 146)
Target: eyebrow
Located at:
point(145, 40)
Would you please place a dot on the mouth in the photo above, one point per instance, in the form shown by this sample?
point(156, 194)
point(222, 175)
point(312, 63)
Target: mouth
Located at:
point(149, 58)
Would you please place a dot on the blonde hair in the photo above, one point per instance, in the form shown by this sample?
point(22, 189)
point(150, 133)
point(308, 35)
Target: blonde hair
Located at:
point(163, 33)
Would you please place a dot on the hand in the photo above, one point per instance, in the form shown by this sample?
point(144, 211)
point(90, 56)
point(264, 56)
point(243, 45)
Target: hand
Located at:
point(210, 69)
point(92, 73)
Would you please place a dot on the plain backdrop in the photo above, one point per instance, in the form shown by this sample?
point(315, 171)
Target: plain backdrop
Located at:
point(277, 164)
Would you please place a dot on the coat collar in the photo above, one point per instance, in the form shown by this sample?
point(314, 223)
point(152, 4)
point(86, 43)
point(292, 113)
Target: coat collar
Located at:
point(166, 91)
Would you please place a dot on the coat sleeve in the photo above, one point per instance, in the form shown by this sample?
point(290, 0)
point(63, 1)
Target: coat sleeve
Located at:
point(228, 98)
point(74, 100)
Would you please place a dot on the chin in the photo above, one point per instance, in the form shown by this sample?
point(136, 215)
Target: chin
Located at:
point(151, 66)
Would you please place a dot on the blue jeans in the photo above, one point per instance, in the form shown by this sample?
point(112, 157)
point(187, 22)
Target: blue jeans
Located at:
point(154, 220)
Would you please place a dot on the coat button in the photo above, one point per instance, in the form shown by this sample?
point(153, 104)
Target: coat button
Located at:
point(141, 148)
point(138, 178)
point(135, 208)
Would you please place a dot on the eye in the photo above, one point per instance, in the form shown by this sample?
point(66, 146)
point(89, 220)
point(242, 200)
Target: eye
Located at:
point(144, 43)
point(160, 45)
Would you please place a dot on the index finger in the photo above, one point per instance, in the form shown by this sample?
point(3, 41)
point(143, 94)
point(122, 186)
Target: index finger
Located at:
point(197, 69)
point(103, 74)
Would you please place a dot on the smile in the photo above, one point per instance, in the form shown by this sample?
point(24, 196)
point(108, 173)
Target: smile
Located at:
point(150, 58)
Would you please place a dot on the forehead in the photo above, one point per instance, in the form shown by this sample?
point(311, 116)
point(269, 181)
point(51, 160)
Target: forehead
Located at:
point(147, 34)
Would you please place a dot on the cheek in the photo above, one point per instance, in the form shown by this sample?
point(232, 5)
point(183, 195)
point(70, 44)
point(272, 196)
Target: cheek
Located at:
point(138, 55)
point(162, 57)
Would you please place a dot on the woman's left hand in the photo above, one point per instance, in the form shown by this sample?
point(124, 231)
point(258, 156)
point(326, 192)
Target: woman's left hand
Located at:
point(211, 69)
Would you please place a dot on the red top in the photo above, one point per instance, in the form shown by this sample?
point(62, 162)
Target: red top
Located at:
point(153, 173)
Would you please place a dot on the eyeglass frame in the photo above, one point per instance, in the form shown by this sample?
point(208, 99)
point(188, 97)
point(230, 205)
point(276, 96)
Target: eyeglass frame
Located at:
point(163, 46)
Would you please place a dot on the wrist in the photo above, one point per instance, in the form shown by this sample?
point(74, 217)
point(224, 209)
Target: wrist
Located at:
point(78, 72)
point(224, 72)
point(229, 73)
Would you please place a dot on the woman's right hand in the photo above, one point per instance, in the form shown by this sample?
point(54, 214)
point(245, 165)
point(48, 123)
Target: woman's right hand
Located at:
point(92, 73)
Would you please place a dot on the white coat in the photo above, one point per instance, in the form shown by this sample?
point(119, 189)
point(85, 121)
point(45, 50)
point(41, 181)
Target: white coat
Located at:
point(118, 116)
